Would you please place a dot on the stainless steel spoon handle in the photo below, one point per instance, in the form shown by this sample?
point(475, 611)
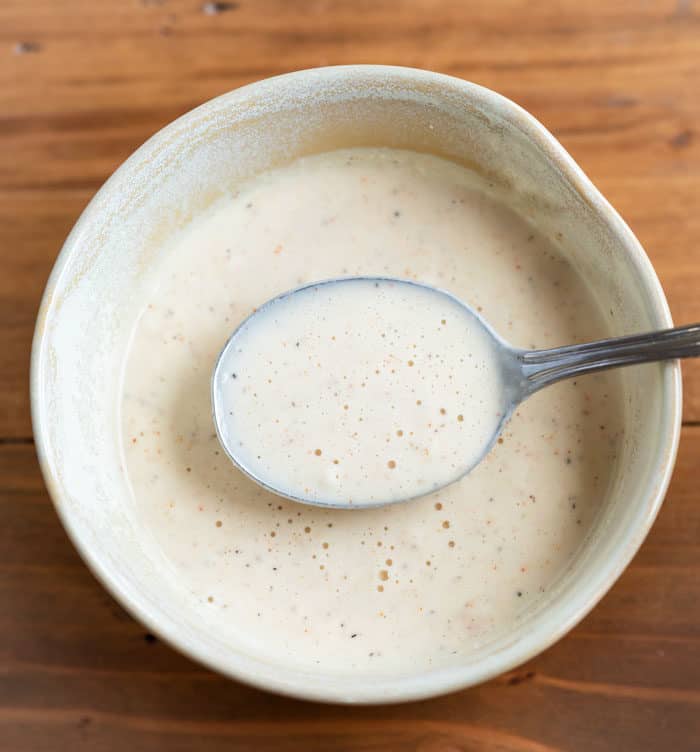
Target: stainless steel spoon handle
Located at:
point(543, 367)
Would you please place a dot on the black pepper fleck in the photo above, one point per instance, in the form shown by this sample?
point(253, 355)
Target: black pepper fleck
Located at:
point(26, 48)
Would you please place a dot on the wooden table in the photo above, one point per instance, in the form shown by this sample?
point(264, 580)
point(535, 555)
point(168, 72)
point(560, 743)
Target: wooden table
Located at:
point(82, 83)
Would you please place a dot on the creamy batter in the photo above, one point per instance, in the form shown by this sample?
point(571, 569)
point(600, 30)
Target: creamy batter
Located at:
point(359, 392)
point(390, 590)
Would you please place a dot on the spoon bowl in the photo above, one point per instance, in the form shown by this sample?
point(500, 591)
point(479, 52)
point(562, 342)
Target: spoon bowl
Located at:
point(360, 392)
point(363, 369)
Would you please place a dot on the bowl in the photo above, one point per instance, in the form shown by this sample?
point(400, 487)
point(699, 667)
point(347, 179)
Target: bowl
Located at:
point(81, 335)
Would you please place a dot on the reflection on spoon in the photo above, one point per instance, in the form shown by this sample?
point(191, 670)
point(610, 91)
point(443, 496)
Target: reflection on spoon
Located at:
point(366, 391)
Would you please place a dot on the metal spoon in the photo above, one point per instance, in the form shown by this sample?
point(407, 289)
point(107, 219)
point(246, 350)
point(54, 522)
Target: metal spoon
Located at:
point(522, 373)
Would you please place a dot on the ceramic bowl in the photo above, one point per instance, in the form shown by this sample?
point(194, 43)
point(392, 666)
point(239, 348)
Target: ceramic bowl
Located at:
point(81, 334)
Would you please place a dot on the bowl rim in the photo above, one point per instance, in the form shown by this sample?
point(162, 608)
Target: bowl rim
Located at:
point(340, 689)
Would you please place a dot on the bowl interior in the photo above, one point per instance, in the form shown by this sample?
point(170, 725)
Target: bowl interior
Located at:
point(82, 334)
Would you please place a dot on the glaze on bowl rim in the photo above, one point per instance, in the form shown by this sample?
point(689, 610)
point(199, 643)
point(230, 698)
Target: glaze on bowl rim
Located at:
point(587, 592)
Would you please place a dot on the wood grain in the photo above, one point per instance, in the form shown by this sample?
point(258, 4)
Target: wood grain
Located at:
point(82, 83)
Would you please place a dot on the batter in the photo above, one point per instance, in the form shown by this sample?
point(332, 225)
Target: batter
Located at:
point(398, 589)
point(359, 392)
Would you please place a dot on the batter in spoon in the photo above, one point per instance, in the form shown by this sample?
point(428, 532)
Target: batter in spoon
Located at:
point(361, 392)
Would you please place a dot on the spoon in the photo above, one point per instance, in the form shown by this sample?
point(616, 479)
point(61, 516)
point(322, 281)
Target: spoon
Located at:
point(315, 392)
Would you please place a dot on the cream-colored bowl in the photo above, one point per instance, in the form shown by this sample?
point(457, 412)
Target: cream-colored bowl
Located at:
point(81, 334)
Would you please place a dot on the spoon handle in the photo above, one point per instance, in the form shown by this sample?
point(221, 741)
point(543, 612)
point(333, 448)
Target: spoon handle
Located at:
point(543, 367)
